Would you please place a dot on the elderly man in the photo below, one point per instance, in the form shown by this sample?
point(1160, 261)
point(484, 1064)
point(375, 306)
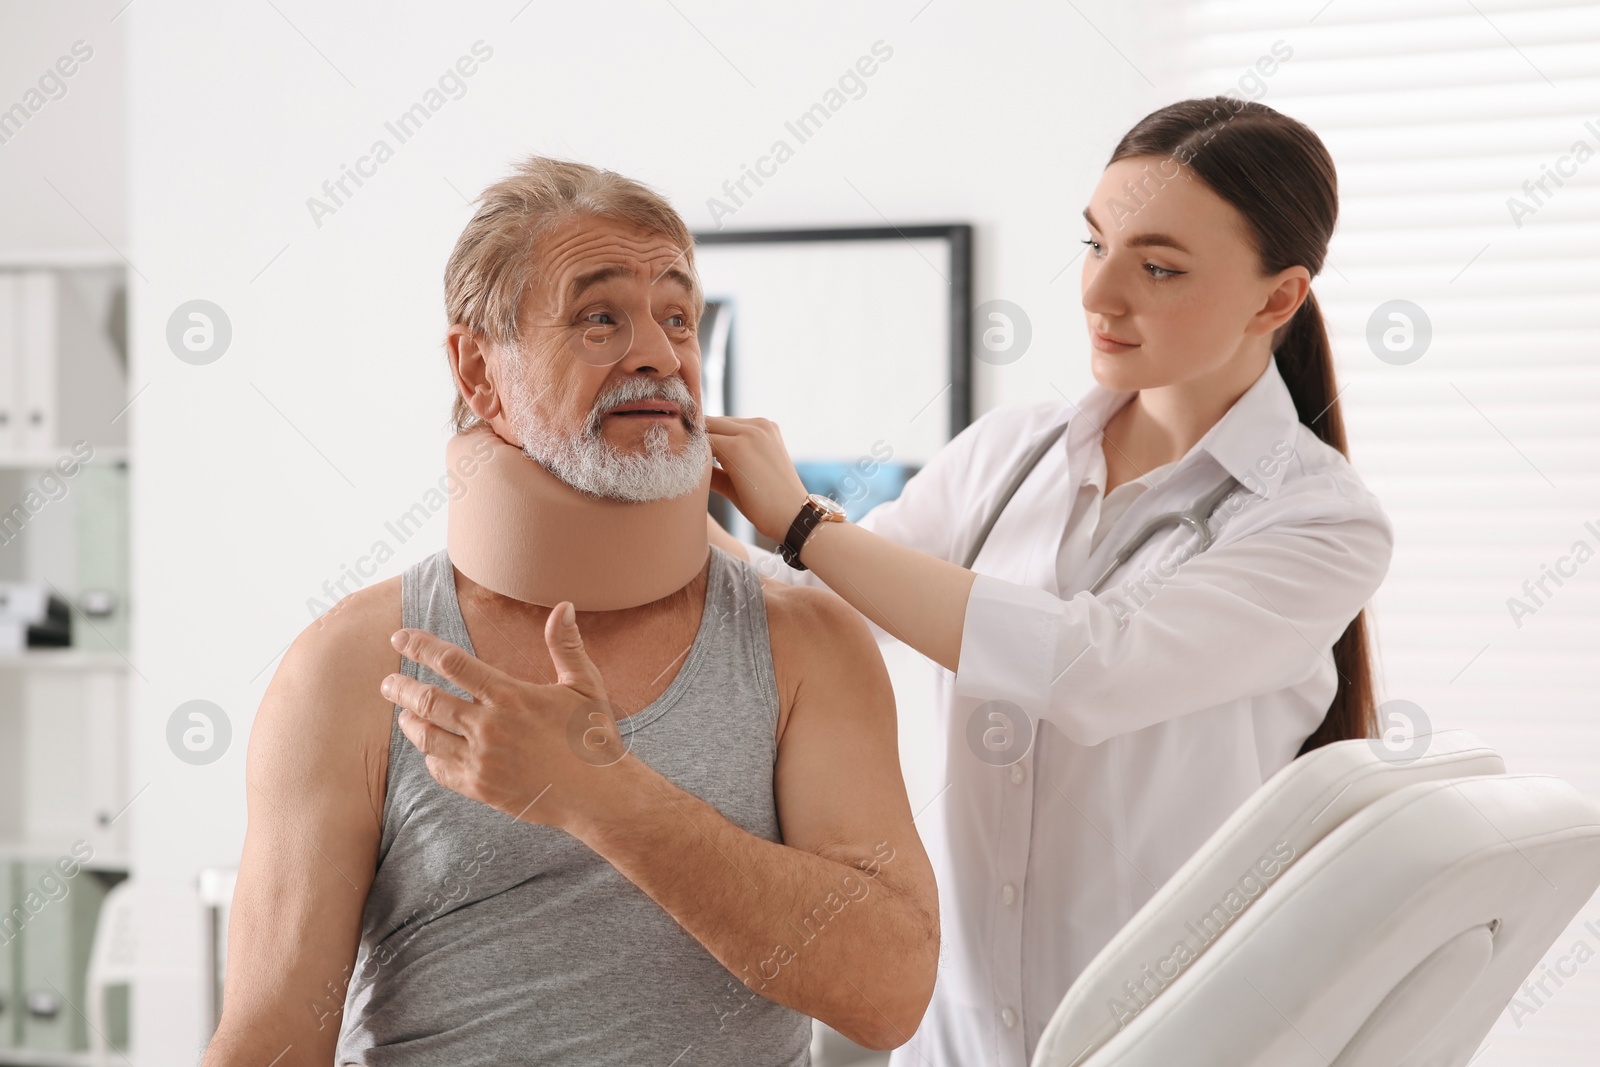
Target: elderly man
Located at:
point(438, 867)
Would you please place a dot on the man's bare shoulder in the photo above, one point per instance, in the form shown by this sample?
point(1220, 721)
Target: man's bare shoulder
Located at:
point(807, 611)
point(323, 710)
point(818, 640)
point(348, 645)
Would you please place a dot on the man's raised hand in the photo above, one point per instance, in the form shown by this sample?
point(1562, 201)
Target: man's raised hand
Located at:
point(527, 749)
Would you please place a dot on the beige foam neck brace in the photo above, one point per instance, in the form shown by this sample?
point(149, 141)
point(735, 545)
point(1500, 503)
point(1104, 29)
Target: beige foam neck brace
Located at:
point(520, 531)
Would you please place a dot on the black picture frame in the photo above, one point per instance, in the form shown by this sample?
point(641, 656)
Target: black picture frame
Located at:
point(959, 237)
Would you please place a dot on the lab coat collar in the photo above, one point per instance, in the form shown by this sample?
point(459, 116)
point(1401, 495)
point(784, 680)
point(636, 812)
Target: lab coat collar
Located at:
point(1088, 420)
point(1249, 441)
point(1254, 438)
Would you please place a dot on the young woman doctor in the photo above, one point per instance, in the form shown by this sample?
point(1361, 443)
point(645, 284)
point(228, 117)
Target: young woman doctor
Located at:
point(1146, 705)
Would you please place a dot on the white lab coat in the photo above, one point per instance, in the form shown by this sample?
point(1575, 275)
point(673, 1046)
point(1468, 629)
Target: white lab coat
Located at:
point(1157, 707)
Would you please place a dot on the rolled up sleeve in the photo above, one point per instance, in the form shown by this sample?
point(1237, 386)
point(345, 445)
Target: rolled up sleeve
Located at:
point(1249, 616)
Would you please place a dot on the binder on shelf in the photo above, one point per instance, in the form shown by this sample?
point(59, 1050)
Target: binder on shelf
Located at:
point(10, 357)
point(63, 370)
point(37, 365)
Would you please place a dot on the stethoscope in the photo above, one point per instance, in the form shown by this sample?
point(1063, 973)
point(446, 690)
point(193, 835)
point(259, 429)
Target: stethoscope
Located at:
point(1196, 516)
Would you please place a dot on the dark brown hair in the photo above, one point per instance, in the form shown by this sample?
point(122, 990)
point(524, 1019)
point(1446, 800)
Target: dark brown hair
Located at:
point(1280, 177)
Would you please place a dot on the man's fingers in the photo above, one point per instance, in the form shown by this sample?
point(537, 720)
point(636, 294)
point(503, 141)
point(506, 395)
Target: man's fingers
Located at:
point(430, 740)
point(734, 426)
point(450, 661)
point(428, 703)
point(574, 669)
point(722, 484)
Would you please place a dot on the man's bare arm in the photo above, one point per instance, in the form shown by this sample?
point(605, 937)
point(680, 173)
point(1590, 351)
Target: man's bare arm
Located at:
point(840, 921)
point(314, 775)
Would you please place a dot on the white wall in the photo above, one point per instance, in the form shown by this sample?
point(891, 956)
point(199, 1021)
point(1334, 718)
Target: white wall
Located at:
point(263, 474)
point(62, 177)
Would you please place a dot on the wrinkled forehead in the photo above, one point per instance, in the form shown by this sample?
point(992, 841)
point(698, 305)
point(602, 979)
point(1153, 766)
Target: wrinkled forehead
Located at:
point(587, 255)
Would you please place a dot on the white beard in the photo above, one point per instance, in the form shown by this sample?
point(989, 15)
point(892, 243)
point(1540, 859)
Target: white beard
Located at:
point(591, 464)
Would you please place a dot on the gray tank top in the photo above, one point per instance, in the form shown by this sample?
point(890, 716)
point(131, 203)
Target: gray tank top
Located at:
point(486, 940)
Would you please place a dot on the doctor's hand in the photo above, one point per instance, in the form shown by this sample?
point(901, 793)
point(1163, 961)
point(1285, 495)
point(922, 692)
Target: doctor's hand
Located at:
point(529, 750)
point(756, 473)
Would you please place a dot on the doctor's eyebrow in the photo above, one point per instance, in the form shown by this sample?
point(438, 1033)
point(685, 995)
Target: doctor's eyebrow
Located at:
point(1144, 240)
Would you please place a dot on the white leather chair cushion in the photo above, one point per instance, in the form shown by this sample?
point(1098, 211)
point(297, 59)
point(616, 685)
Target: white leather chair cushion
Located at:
point(1397, 940)
point(1280, 822)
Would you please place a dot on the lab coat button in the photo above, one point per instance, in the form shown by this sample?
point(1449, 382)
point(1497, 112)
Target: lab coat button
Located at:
point(1008, 893)
point(1017, 774)
point(1008, 1017)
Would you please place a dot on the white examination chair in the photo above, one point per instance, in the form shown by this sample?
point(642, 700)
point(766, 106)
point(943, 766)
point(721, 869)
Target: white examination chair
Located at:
point(1358, 911)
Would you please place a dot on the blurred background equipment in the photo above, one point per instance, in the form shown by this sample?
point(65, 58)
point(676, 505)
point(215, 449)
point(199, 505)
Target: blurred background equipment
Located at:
point(31, 616)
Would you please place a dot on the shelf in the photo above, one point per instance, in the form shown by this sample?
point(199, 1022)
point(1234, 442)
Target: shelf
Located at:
point(13, 851)
point(103, 454)
point(72, 659)
point(40, 1058)
point(26, 1057)
point(58, 258)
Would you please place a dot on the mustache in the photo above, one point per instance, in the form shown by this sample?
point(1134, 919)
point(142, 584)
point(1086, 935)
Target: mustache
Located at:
point(630, 390)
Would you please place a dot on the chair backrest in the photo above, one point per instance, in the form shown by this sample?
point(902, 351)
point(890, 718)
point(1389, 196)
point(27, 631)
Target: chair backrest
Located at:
point(216, 886)
point(113, 952)
point(1251, 851)
point(1396, 941)
point(113, 958)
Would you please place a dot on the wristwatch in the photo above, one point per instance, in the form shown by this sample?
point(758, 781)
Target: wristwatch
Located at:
point(816, 509)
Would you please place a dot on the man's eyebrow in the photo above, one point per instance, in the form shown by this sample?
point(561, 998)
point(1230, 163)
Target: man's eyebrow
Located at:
point(1144, 240)
point(679, 276)
point(584, 282)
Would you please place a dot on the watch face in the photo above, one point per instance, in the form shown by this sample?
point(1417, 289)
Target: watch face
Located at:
point(828, 504)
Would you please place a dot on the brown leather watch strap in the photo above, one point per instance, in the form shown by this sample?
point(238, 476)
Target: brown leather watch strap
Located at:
point(799, 532)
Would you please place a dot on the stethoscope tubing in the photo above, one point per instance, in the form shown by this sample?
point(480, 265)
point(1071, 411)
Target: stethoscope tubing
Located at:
point(1197, 516)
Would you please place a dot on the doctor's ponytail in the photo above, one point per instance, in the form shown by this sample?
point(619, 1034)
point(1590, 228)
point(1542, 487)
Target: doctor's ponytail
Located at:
point(1278, 174)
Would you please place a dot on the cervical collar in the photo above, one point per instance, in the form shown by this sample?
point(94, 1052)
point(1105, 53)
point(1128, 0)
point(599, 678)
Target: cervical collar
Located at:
point(520, 531)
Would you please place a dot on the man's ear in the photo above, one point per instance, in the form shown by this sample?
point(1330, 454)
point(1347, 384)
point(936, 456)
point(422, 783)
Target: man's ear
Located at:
point(469, 367)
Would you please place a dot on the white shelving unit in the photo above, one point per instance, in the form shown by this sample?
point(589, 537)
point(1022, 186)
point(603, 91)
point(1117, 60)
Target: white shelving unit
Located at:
point(64, 780)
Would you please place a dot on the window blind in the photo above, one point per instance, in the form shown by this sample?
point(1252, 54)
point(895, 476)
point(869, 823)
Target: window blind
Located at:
point(1467, 139)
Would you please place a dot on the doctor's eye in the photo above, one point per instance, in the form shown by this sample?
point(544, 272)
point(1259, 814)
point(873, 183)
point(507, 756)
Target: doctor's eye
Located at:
point(1158, 273)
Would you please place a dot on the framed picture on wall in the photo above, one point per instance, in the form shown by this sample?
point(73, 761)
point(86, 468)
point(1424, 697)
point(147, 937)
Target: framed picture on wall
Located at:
point(855, 341)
